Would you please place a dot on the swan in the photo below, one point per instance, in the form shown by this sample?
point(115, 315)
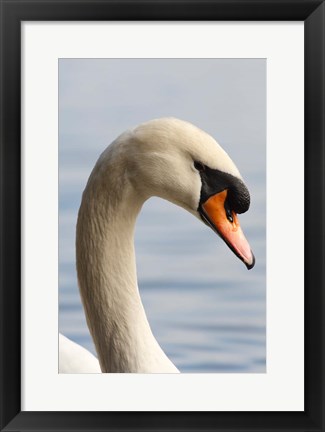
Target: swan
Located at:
point(171, 159)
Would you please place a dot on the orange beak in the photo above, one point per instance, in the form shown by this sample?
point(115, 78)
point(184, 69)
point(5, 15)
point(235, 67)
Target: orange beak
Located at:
point(214, 213)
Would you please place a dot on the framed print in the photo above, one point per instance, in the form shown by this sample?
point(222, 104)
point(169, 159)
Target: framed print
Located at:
point(176, 77)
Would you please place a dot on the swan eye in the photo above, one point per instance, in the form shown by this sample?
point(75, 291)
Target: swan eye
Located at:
point(229, 215)
point(199, 166)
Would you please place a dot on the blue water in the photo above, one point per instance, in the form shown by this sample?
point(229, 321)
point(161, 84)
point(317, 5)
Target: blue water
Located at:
point(207, 311)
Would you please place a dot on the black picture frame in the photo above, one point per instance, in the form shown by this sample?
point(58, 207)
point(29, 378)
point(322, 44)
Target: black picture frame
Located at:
point(12, 14)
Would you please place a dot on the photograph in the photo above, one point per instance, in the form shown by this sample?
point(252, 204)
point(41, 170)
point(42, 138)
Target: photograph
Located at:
point(162, 215)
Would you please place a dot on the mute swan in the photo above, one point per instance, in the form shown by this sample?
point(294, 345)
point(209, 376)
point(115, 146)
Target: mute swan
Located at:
point(171, 159)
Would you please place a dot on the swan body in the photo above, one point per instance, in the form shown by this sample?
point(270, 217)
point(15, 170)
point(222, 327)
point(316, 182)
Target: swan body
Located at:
point(75, 359)
point(171, 159)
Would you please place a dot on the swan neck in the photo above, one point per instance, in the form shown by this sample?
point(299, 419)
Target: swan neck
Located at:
point(107, 279)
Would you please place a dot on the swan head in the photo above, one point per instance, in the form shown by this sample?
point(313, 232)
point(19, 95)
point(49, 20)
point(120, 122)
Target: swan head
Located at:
point(177, 161)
